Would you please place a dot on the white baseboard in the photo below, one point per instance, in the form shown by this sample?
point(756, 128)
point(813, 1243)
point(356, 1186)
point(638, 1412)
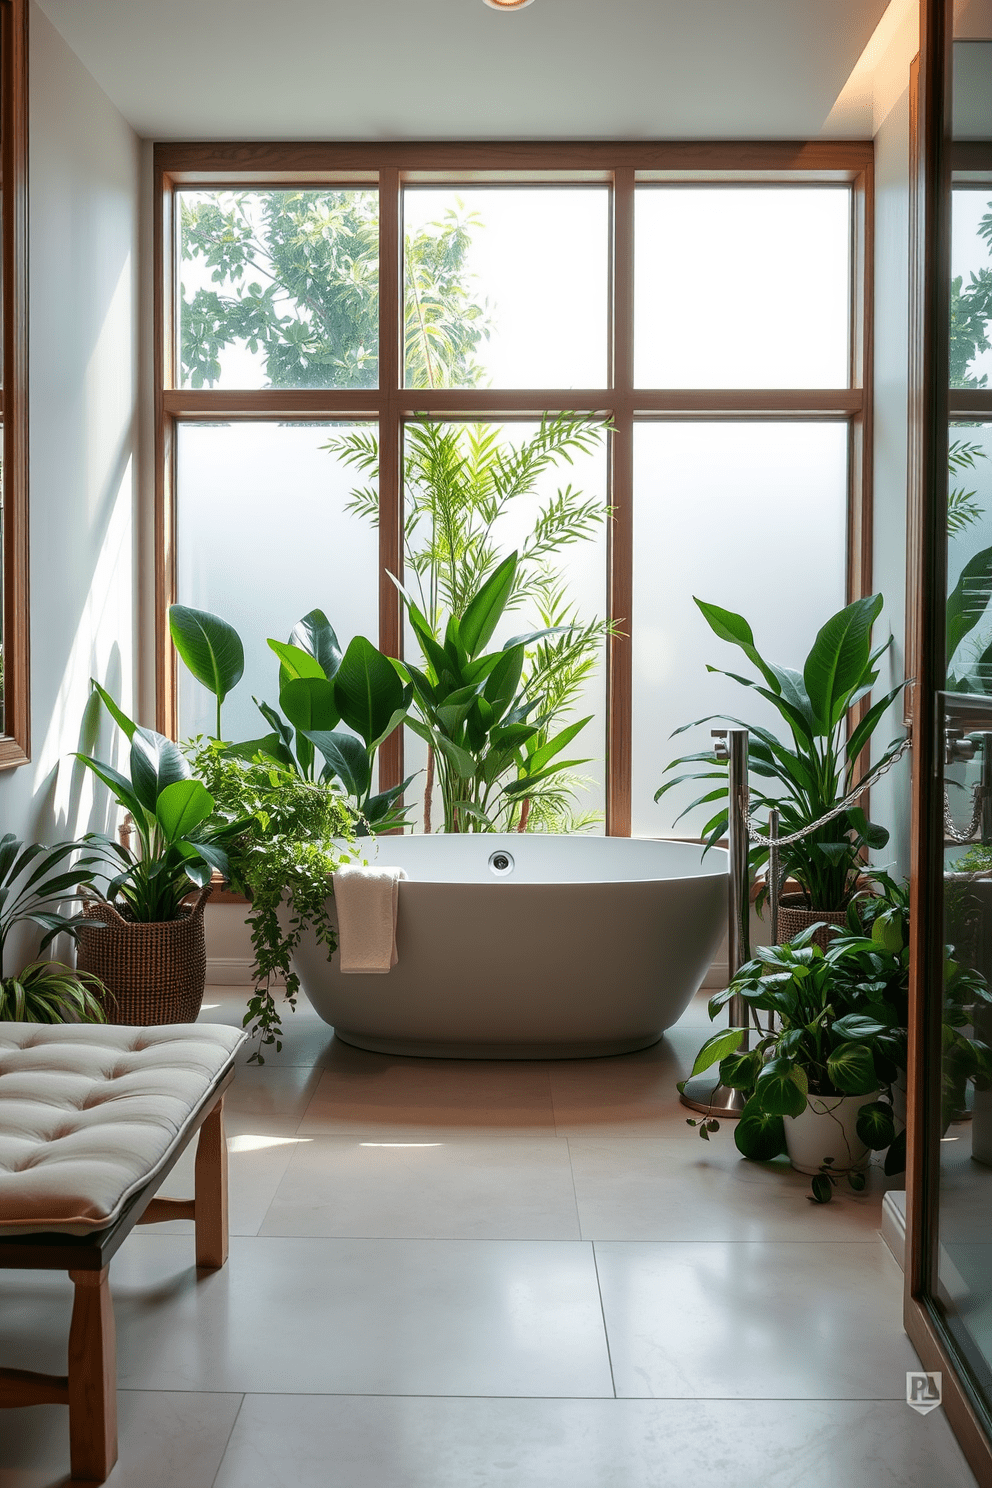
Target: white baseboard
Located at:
point(230, 971)
point(894, 1223)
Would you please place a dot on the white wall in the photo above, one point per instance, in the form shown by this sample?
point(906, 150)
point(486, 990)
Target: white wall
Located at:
point(890, 798)
point(83, 178)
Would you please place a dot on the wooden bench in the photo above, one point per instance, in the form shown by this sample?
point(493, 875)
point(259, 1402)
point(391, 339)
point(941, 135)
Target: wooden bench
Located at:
point(76, 1217)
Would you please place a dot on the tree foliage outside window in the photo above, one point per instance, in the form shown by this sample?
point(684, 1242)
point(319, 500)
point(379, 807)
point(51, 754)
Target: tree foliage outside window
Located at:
point(971, 313)
point(294, 279)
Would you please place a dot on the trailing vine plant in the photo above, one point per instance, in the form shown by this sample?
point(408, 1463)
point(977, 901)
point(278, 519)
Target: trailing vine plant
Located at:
point(283, 862)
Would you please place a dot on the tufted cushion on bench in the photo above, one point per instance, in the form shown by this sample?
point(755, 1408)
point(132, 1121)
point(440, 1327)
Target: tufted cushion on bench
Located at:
point(88, 1114)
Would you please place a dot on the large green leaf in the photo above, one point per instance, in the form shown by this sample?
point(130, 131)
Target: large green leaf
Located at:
point(125, 724)
point(314, 633)
point(483, 613)
point(118, 784)
point(852, 1069)
point(210, 647)
point(781, 1088)
point(155, 763)
point(969, 599)
point(735, 629)
point(876, 1126)
point(296, 661)
point(369, 693)
point(717, 1047)
point(182, 806)
point(838, 660)
point(758, 1134)
point(310, 703)
point(347, 759)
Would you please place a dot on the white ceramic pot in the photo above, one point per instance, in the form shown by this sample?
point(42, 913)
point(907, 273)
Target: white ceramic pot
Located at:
point(827, 1128)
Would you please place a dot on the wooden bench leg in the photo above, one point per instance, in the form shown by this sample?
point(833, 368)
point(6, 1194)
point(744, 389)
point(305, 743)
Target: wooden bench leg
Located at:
point(92, 1378)
point(211, 1191)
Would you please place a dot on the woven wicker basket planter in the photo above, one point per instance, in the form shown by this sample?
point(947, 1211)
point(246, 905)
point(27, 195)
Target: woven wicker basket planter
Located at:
point(154, 973)
point(794, 917)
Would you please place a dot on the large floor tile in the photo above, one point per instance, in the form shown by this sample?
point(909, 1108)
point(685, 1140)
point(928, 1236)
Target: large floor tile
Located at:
point(494, 1190)
point(257, 1163)
point(308, 1442)
point(680, 1188)
point(806, 1320)
point(363, 1316)
point(628, 1095)
point(167, 1440)
point(363, 1094)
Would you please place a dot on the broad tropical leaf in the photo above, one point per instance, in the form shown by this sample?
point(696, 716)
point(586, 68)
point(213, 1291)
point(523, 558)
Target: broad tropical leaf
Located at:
point(210, 647)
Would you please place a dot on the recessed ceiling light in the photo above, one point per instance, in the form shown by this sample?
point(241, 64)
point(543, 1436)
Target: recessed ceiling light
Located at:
point(508, 4)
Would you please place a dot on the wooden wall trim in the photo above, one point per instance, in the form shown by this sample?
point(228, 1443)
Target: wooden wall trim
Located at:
point(15, 743)
point(198, 162)
point(165, 496)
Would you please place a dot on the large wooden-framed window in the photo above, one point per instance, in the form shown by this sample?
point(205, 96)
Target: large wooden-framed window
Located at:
point(626, 174)
point(15, 711)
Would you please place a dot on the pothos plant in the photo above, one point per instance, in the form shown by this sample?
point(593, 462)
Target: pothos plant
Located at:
point(294, 834)
point(835, 1028)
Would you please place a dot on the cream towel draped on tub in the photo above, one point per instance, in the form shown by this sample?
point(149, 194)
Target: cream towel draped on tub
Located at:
point(367, 900)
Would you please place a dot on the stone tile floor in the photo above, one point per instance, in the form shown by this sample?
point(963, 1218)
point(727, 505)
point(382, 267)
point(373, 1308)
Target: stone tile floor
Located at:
point(467, 1274)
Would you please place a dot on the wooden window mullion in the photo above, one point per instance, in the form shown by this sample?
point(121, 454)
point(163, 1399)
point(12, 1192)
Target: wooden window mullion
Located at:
point(620, 581)
point(390, 445)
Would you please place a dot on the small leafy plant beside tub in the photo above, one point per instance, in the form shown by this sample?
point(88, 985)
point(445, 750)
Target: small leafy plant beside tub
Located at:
point(833, 1029)
point(34, 883)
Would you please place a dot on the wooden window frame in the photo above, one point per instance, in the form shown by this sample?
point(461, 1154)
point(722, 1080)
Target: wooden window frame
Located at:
point(15, 740)
point(620, 166)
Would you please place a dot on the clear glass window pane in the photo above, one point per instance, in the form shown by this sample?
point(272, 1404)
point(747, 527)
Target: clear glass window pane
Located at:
point(506, 287)
point(564, 585)
point(264, 536)
point(742, 287)
point(971, 286)
point(724, 512)
point(969, 534)
point(278, 289)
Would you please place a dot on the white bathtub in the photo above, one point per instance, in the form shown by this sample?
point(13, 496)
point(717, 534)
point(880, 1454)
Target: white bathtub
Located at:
point(585, 946)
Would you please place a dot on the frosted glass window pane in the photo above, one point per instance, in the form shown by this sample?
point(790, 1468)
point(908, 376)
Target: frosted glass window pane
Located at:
point(262, 538)
point(584, 568)
point(518, 296)
point(278, 289)
point(969, 532)
point(971, 261)
point(742, 287)
point(751, 517)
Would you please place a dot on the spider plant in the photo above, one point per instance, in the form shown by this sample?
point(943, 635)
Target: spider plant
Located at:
point(810, 776)
point(34, 883)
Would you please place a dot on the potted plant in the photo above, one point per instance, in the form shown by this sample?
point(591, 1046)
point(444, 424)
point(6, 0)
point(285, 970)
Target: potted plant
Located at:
point(144, 941)
point(289, 836)
point(461, 484)
point(812, 775)
point(320, 686)
point(34, 883)
point(480, 717)
point(819, 1078)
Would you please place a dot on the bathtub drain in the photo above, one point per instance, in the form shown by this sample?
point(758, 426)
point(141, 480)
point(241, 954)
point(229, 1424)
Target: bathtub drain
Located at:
point(501, 864)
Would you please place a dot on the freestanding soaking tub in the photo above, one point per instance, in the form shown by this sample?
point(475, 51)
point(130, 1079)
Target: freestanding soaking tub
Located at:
point(530, 947)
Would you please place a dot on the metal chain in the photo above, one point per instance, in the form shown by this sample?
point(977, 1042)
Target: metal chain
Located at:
point(951, 831)
point(845, 805)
